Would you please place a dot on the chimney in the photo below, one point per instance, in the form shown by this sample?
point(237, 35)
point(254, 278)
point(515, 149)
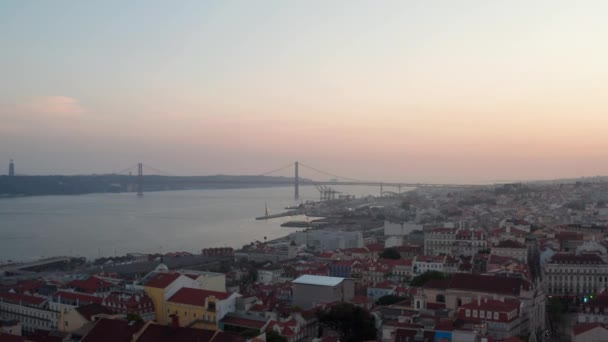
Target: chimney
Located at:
point(174, 321)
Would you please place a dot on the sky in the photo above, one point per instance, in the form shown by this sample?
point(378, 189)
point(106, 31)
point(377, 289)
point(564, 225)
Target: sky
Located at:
point(416, 91)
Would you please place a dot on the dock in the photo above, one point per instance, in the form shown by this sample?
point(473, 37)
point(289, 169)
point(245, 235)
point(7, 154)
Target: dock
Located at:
point(283, 214)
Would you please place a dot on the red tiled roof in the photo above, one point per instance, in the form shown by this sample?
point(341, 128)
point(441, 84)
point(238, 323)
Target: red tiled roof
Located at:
point(11, 338)
point(492, 305)
point(162, 280)
point(47, 336)
point(128, 301)
point(164, 333)
point(430, 258)
point(82, 298)
point(435, 306)
point(487, 284)
point(113, 330)
point(387, 284)
point(510, 244)
point(26, 286)
point(357, 250)
point(243, 322)
point(196, 296)
point(375, 247)
point(571, 258)
point(20, 298)
point(90, 285)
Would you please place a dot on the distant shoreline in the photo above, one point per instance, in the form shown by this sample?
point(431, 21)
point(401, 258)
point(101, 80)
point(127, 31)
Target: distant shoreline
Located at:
point(28, 186)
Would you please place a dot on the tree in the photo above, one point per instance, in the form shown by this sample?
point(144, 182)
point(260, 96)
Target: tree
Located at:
point(354, 324)
point(427, 276)
point(389, 299)
point(134, 317)
point(273, 336)
point(390, 253)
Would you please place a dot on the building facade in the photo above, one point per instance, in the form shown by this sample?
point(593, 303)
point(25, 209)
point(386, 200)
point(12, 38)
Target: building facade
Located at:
point(571, 275)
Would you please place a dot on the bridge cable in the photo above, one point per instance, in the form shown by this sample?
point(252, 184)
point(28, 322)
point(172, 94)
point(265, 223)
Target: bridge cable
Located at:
point(123, 171)
point(334, 175)
point(162, 173)
point(276, 170)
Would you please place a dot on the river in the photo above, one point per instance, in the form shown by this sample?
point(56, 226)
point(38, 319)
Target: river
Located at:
point(115, 224)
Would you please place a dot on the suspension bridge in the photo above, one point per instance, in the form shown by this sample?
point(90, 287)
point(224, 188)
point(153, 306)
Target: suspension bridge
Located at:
point(324, 186)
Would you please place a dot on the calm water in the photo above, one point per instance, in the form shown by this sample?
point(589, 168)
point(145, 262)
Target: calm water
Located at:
point(107, 224)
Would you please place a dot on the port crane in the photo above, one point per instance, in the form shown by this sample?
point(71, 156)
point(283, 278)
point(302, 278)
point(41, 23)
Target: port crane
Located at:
point(326, 193)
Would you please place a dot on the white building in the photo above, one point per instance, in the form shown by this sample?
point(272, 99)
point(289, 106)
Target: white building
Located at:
point(327, 239)
point(32, 312)
point(454, 241)
point(439, 241)
point(511, 249)
point(269, 275)
point(310, 291)
point(425, 263)
point(568, 274)
point(400, 228)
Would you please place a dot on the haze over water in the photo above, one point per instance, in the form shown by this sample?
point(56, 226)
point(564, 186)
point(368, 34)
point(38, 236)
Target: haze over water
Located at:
point(104, 224)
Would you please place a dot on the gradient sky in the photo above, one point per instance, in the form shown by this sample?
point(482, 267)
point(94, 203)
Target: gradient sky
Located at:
point(458, 91)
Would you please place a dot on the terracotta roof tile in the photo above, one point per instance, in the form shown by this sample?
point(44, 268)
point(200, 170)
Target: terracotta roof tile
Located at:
point(196, 296)
point(113, 330)
point(162, 280)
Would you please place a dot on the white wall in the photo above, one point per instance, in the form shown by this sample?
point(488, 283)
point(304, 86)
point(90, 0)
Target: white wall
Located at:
point(400, 228)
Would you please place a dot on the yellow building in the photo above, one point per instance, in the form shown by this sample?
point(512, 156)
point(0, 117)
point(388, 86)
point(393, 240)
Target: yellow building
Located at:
point(199, 308)
point(159, 288)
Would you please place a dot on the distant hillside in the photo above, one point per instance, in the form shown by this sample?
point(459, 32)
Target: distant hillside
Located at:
point(75, 185)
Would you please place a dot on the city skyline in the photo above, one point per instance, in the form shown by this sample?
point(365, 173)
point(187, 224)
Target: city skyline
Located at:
point(458, 92)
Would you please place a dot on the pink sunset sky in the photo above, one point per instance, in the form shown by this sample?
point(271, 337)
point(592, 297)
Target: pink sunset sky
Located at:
point(416, 91)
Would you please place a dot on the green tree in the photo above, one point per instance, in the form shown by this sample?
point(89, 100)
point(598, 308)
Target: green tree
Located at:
point(354, 324)
point(427, 276)
point(134, 317)
point(273, 336)
point(389, 299)
point(390, 253)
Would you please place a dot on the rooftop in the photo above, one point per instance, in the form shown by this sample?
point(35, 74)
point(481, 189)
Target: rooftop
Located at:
point(196, 296)
point(162, 280)
point(318, 280)
point(115, 330)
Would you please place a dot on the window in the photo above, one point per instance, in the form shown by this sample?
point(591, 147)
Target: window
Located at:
point(468, 313)
point(474, 313)
point(496, 315)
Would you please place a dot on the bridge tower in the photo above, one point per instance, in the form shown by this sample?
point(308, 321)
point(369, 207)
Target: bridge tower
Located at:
point(296, 195)
point(11, 169)
point(140, 181)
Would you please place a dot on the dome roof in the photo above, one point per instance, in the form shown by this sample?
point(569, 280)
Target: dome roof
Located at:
point(161, 268)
